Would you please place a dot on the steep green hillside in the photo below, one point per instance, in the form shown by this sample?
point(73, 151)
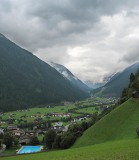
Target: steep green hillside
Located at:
point(119, 124)
point(27, 81)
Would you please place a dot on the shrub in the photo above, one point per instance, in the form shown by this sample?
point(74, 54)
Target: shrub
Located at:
point(137, 131)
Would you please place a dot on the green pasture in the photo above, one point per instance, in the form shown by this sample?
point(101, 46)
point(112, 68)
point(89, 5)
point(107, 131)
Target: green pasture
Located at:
point(29, 115)
point(89, 110)
point(40, 112)
point(117, 150)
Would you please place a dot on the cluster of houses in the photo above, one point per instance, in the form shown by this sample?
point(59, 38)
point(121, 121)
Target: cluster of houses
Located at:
point(53, 114)
point(25, 136)
point(22, 135)
point(59, 127)
point(62, 115)
point(79, 119)
point(23, 110)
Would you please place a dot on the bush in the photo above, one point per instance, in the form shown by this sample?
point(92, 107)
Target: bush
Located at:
point(8, 140)
point(67, 141)
point(137, 131)
point(50, 138)
point(56, 144)
point(34, 141)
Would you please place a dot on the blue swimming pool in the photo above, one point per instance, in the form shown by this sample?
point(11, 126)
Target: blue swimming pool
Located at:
point(29, 149)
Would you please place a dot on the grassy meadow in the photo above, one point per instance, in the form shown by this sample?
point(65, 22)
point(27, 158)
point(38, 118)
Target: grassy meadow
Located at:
point(89, 110)
point(37, 111)
point(80, 108)
point(117, 150)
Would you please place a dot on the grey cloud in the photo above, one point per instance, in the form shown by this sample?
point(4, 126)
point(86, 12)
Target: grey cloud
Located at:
point(57, 20)
point(50, 27)
point(81, 15)
point(5, 6)
point(132, 56)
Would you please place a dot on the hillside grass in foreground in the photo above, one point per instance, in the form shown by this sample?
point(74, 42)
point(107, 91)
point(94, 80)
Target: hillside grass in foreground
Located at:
point(121, 123)
point(117, 150)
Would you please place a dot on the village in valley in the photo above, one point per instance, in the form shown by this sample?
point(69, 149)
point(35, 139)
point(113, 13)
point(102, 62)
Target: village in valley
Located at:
point(35, 122)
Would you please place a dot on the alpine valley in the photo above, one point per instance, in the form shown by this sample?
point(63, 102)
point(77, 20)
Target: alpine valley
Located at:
point(44, 104)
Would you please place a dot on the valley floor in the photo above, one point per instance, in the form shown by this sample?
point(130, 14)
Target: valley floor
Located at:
point(114, 150)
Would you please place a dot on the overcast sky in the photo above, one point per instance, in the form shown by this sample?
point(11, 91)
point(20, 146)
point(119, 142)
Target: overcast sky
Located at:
point(92, 38)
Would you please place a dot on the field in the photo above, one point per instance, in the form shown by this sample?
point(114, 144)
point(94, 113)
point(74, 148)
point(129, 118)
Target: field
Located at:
point(37, 111)
point(89, 110)
point(77, 109)
point(118, 150)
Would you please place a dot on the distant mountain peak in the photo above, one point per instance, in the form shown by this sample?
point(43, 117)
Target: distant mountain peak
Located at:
point(62, 69)
point(68, 75)
point(2, 36)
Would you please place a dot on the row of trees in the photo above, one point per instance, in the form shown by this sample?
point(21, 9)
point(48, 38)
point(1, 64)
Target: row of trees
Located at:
point(65, 140)
point(8, 140)
point(133, 86)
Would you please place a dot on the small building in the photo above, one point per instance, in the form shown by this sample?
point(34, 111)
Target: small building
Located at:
point(1, 131)
point(12, 127)
point(64, 115)
point(82, 118)
point(65, 129)
point(31, 133)
point(24, 140)
point(1, 113)
point(67, 103)
point(58, 127)
point(18, 132)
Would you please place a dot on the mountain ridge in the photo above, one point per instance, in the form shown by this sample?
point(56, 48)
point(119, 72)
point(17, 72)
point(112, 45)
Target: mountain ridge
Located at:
point(116, 85)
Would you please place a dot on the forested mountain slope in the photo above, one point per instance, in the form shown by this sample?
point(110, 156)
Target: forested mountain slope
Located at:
point(26, 81)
